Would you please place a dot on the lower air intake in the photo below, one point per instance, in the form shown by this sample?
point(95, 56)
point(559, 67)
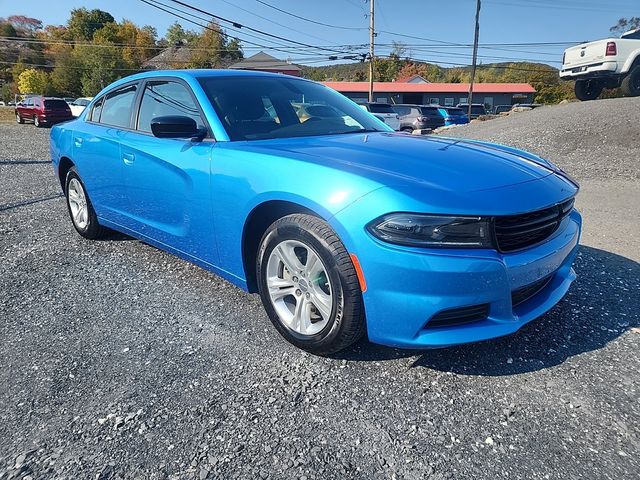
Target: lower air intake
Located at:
point(459, 316)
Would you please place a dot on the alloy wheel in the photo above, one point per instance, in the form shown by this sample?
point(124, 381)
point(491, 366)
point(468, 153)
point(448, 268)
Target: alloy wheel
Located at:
point(78, 204)
point(299, 287)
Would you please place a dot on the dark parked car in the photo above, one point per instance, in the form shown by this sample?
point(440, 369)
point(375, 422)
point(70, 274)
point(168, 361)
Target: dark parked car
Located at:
point(43, 111)
point(477, 109)
point(502, 109)
point(418, 117)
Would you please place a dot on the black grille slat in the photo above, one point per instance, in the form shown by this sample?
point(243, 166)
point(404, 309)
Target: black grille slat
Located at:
point(523, 294)
point(459, 316)
point(520, 231)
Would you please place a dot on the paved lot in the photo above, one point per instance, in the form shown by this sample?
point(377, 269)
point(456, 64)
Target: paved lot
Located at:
point(121, 361)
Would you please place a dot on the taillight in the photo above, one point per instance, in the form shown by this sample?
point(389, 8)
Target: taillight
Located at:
point(612, 50)
point(423, 119)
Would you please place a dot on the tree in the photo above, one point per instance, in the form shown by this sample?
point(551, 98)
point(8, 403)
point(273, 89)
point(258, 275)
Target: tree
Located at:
point(33, 81)
point(176, 35)
point(7, 30)
point(83, 23)
point(625, 24)
point(25, 26)
point(66, 75)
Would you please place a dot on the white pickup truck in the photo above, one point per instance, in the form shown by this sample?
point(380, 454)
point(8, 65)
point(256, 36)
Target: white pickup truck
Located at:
point(609, 63)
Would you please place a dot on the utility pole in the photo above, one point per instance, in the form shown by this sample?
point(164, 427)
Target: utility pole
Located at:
point(475, 57)
point(371, 54)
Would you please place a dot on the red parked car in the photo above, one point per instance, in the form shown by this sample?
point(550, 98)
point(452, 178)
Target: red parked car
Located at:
point(43, 111)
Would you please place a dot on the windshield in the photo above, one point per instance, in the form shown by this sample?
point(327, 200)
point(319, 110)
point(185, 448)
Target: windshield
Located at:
point(633, 35)
point(257, 108)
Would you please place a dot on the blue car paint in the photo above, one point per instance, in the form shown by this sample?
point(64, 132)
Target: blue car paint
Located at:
point(348, 180)
point(453, 119)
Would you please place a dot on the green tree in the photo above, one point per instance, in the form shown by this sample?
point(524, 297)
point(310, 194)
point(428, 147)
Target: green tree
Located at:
point(33, 81)
point(7, 30)
point(176, 34)
point(625, 24)
point(83, 23)
point(66, 75)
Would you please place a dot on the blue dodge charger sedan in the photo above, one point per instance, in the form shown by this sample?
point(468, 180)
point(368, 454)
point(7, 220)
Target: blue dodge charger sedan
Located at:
point(286, 188)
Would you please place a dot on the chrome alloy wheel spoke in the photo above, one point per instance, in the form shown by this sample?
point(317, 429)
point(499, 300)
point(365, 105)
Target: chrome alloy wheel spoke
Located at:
point(299, 287)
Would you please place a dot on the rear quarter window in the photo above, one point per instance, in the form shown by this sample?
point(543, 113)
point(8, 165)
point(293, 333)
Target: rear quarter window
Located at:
point(116, 107)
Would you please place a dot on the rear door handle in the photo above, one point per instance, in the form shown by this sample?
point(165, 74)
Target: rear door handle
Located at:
point(128, 158)
point(77, 141)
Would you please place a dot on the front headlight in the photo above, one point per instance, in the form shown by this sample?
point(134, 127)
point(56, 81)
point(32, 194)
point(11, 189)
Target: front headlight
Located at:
point(419, 230)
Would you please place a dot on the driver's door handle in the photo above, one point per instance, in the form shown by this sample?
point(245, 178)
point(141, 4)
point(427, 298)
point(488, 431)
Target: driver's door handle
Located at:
point(128, 158)
point(77, 141)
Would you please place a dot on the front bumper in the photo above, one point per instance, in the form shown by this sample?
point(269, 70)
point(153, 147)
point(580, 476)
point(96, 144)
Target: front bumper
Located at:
point(408, 286)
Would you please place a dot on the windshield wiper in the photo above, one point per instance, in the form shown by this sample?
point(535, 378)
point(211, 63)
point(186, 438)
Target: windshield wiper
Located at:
point(362, 130)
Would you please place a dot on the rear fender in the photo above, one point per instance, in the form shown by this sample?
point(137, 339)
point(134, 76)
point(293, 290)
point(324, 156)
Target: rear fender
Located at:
point(634, 58)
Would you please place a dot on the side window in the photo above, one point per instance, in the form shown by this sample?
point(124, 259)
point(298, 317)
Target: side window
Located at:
point(94, 116)
point(166, 98)
point(116, 107)
point(29, 102)
point(403, 110)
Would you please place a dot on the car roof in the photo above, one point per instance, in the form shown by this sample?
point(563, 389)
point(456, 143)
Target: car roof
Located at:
point(189, 74)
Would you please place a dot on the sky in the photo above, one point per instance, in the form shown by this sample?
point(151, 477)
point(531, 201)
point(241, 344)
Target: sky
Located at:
point(438, 24)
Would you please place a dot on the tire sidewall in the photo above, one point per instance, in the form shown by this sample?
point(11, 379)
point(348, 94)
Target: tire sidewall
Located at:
point(292, 231)
point(36, 122)
point(634, 75)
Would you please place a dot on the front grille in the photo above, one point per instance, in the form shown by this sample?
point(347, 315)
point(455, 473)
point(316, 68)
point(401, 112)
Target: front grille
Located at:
point(459, 316)
point(523, 294)
point(521, 231)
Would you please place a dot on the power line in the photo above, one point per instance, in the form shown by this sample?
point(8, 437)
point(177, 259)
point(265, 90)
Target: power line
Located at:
point(308, 19)
point(207, 27)
point(262, 32)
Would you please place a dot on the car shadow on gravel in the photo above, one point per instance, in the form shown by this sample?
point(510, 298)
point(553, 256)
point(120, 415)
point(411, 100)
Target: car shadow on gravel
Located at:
point(601, 306)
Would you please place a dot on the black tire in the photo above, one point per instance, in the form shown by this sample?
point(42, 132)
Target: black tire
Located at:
point(346, 323)
point(19, 119)
point(588, 89)
point(406, 129)
point(92, 230)
point(36, 121)
point(630, 85)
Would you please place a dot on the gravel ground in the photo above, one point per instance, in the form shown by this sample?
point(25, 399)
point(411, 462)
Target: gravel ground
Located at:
point(121, 361)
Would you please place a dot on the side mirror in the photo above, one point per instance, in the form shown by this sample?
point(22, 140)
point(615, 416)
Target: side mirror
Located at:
point(175, 126)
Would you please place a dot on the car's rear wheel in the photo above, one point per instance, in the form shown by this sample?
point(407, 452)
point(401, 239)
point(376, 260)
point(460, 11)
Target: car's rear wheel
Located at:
point(631, 83)
point(588, 89)
point(36, 121)
point(81, 211)
point(309, 286)
point(19, 119)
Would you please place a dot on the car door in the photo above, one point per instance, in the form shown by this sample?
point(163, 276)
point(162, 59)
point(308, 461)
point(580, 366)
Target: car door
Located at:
point(24, 108)
point(96, 150)
point(168, 180)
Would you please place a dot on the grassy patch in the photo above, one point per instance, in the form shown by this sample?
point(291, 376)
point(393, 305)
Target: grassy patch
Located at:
point(7, 115)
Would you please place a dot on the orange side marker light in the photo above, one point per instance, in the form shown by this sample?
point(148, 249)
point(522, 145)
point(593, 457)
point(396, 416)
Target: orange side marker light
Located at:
point(359, 273)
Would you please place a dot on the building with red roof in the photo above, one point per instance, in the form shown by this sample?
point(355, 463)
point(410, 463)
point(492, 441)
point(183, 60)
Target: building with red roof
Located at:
point(447, 94)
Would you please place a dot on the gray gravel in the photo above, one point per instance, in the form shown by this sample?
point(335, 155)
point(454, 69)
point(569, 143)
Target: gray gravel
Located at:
point(121, 361)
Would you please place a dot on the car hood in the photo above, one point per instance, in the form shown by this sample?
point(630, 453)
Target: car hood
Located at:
point(401, 159)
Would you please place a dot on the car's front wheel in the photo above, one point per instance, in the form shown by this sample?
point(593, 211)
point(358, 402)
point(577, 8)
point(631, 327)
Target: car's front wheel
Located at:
point(588, 89)
point(309, 286)
point(81, 211)
point(36, 121)
point(19, 119)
